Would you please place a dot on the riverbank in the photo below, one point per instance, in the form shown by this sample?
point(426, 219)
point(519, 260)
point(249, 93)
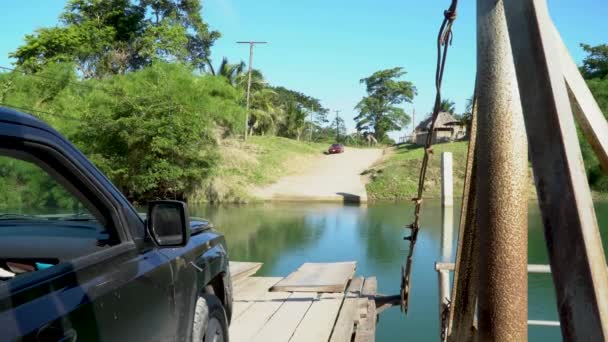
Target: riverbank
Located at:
point(261, 160)
point(395, 176)
point(334, 178)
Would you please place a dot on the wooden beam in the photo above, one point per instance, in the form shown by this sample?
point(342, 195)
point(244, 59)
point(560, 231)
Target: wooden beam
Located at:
point(586, 111)
point(366, 329)
point(571, 230)
point(464, 288)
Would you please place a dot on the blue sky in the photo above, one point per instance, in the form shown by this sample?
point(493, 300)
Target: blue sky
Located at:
point(323, 48)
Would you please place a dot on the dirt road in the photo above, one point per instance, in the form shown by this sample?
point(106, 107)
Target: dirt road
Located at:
point(335, 177)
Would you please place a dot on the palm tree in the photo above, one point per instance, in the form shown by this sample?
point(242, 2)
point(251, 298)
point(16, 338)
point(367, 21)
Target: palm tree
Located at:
point(448, 106)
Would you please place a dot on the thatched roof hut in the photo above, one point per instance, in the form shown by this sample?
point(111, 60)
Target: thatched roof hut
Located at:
point(445, 120)
point(447, 128)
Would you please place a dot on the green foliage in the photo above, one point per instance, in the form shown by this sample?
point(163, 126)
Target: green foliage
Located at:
point(595, 65)
point(448, 106)
point(595, 70)
point(112, 37)
point(296, 108)
point(378, 110)
point(25, 188)
point(153, 129)
point(396, 177)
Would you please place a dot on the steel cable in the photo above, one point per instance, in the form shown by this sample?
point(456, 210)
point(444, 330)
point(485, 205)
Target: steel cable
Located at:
point(444, 40)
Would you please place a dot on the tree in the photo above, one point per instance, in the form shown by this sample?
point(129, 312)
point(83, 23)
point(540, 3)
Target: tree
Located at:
point(378, 110)
point(109, 37)
point(296, 107)
point(447, 106)
point(595, 65)
point(595, 70)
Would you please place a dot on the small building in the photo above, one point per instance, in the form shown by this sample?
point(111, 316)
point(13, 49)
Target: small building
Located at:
point(447, 129)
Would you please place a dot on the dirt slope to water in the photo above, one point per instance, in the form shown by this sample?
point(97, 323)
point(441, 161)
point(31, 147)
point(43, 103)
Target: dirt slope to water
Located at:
point(335, 177)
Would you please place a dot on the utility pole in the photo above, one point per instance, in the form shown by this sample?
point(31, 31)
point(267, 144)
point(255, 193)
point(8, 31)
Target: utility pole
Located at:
point(337, 126)
point(251, 44)
point(413, 120)
point(310, 125)
point(413, 125)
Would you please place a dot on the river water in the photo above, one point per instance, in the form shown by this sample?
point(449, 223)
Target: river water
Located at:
point(283, 236)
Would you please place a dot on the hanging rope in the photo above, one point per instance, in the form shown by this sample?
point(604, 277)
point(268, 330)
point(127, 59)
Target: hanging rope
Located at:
point(444, 40)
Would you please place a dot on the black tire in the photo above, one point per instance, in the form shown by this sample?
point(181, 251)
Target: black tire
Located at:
point(210, 322)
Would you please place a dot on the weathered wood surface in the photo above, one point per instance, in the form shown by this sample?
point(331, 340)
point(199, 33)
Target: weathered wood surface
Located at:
point(345, 325)
point(241, 270)
point(318, 277)
point(284, 322)
point(262, 315)
point(254, 288)
point(464, 288)
point(366, 328)
point(252, 321)
point(318, 323)
point(577, 257)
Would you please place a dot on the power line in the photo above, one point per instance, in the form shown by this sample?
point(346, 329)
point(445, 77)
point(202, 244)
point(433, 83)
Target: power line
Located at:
point(31, 110)
point(50, 78)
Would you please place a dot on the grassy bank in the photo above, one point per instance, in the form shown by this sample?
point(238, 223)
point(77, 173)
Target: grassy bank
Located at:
point(259, 161)
point(396, 176)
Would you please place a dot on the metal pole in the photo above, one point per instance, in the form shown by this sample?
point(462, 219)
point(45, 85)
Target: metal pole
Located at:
point(502, 184)
point(251, 44)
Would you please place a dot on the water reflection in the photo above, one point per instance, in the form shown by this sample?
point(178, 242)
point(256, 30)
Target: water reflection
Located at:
point(284, 236)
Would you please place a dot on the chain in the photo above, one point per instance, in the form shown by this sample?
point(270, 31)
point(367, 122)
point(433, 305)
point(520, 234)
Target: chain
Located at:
point(445, 313)
point(444, 40)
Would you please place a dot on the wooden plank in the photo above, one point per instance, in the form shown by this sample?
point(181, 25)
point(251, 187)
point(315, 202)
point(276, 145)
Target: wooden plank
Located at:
point(318, 277)
point(242, 270)
point(284, 322)
point(354, 288)
point(587, 112)
point(577, 257)
point(344, 328)
point(370, 287)
point(366, 329)
point(253, 288)
point(464, 288)
point(345, 324)
point(246, 326)
point(319, 321)
point(238, 308)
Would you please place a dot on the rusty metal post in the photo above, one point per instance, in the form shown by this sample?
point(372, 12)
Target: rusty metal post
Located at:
point(502, 181)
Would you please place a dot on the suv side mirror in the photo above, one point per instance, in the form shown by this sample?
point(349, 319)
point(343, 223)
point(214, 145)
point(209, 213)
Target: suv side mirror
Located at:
point(168, 223)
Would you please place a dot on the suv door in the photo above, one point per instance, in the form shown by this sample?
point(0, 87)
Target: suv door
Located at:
point(100, 278)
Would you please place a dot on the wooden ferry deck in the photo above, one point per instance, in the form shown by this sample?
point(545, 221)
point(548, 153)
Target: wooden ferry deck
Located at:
point(317, 302)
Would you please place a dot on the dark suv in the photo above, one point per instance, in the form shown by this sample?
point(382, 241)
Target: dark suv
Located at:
point(78, 262)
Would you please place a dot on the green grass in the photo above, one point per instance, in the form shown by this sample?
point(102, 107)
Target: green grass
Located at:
point(396, 177)
point(259, 161)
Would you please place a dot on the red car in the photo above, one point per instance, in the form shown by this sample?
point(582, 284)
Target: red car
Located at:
point(336, 148)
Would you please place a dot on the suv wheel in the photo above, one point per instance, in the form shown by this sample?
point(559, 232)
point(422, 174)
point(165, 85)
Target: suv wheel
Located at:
point(210, 322)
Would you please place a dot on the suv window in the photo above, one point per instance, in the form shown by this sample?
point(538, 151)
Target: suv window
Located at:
point(41, 223)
